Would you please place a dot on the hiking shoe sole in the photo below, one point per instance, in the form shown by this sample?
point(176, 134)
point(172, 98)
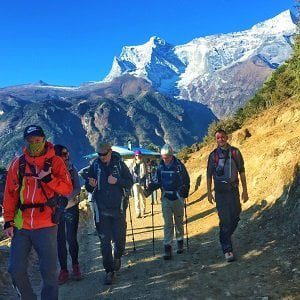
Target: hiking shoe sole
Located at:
point(229, 257)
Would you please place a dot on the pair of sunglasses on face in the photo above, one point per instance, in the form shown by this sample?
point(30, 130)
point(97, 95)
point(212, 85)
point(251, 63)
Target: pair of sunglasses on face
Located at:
point(65, 153)
point(103, 154)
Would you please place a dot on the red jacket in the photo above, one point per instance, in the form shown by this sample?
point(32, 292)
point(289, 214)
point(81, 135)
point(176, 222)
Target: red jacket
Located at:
point(30, 192)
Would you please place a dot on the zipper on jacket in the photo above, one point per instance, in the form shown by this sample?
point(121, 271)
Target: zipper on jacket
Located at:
point(33, 194)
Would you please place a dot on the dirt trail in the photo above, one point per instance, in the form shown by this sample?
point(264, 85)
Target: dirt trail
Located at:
point(265, 269)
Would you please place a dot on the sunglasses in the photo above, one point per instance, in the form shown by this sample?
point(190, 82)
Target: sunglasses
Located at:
point(64, 153)
point(103, 154)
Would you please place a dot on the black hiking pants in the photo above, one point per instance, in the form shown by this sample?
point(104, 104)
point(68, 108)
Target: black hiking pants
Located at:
point(229, 209)
point(67, 232)
point(109, 230)
point(123, 231)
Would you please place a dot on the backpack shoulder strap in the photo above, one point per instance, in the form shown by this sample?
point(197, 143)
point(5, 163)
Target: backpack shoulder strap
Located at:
point(96, 166)
point(216, 157)
point(233, 152)
point(234, 156)
point(178, 165)
point(22, 166)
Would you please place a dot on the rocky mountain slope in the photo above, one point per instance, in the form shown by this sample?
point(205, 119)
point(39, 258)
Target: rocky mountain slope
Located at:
point(137, 100)
point(221, 71)
point(127, 108)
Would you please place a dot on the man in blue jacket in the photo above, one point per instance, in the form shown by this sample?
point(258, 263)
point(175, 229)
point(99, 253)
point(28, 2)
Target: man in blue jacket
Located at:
point(173, 179)
point(107, 179)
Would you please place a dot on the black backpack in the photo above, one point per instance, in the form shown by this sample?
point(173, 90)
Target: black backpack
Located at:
point(3, 176)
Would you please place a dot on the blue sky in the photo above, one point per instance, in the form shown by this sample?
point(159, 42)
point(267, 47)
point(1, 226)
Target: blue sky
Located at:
point(70, 42)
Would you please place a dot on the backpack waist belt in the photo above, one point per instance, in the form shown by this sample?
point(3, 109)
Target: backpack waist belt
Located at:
point(169, 192)
point(229, 182)
point(51, 203)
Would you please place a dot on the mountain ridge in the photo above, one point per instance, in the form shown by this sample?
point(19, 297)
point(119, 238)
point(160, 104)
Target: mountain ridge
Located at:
point(176, 70)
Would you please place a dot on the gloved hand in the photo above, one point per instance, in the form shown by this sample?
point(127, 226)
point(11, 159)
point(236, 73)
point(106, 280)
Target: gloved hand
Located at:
point(9, 229)
point(183, 192)
point(45, 176)
point(147, 192)
point(61, 204)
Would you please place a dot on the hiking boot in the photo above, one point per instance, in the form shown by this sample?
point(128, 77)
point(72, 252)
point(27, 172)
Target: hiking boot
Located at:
point(63, 277)
point(180, 247)
point(229, 256)
point(108, 279)
point(117, 264)
point(168, 252)
point(76, 272)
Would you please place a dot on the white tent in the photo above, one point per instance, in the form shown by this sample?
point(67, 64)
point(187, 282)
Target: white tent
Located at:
point(125, 152)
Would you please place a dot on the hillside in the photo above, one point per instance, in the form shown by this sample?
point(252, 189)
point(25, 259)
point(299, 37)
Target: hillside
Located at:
point(266, 241)
point(127, 108)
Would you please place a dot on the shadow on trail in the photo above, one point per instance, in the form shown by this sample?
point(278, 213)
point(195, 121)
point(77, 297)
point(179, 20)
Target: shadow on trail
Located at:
point(267, 247)
point(267, 263)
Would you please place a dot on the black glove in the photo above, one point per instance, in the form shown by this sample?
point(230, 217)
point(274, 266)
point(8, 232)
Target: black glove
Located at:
point(8, 224)
point(147, 192)
point(61, 204)
point(183, 192)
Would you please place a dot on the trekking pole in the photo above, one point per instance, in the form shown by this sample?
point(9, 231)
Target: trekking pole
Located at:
point(134, 249)
point(186, 225)
point(152, 203)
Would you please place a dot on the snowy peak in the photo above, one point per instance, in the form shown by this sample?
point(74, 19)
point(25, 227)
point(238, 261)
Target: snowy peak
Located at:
point(204, 55)
point(135, 59)
point(210, 65)
point(154, 61)
point(282, 23)
point(156, 41)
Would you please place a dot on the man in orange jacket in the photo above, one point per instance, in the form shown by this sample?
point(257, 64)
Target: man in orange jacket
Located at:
point(34, 181)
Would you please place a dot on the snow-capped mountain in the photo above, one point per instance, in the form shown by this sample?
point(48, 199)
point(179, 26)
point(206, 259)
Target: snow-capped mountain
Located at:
point(221, 71)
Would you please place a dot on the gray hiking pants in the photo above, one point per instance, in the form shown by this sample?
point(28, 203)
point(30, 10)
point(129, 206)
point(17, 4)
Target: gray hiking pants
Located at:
point(44, 242)
point(172, 209)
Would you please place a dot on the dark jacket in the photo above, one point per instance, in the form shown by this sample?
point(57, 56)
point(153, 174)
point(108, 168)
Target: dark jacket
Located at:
point(224, 165)
point(171, 179)
point(109, 197)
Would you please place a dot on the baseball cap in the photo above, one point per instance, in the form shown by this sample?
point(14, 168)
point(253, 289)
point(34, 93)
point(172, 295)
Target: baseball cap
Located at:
point(33, 130)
